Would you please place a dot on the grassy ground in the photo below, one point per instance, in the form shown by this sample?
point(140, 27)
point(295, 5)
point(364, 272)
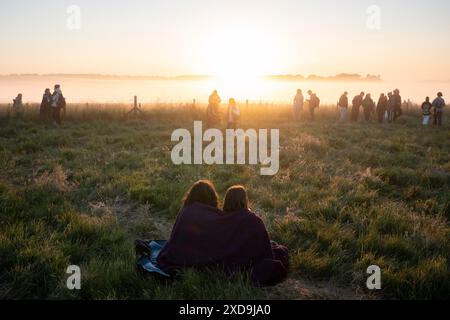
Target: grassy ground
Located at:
point(346, 196)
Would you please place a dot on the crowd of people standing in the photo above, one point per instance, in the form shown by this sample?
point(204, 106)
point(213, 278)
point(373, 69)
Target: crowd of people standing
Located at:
point(51, 105)
point(387, 109)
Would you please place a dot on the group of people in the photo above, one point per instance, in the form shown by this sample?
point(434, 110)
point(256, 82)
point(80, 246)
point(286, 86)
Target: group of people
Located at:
point(213, 112)
point(299, 103)
point(51, 106)
point(232, 238)
point(234, 113)
point(437, 107)
point(388, 108)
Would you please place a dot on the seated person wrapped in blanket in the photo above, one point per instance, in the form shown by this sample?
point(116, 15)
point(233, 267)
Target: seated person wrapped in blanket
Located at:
point(205, 236)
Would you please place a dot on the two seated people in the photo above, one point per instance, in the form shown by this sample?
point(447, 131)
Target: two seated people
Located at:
point(234, 239)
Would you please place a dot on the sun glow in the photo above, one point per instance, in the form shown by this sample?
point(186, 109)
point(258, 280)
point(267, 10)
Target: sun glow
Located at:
point(239, 56)
point(234, 53)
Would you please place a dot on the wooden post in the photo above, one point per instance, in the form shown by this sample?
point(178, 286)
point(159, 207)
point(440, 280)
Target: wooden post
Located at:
point(135, 102)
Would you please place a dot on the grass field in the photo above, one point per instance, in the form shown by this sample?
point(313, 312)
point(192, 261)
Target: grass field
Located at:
point(347, 196)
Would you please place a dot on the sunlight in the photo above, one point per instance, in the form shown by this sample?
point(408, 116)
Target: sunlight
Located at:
point(234, 53)
point(238, 57)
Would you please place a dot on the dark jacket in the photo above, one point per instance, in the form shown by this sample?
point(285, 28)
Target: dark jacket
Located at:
point(204, 236)
point(357, 101)
point(382, 104)
point(343, 101)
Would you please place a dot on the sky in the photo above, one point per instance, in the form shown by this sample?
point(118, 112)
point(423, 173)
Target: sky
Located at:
point(233, 37)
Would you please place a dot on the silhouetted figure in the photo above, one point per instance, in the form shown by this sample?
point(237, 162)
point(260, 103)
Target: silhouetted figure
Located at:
point(204, 236)
point(397, 104)
point(426, 111)
point(233, 114)
point(382, 107)
point(343, 107)
point(298, 105)
point(18, 105)
point(391, 107)
point(368, 107)
point(438, 105)
point(356, 104)
point(213, 112)
point(58, 103)
point(46, 105)
point(314, 102)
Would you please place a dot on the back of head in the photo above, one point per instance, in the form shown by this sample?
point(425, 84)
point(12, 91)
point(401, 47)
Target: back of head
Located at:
point(440, 94)
point(232, 102)
point(203, 192)
point(235, 199)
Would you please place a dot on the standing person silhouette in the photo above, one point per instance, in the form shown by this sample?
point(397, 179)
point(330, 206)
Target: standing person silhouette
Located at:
point(381, 107)
point(45, 108)
point(397, 104)
point(438, 105)
point(18, 105)
point(343, 107)
point(233, 114)
point(391, 107)
point(314, 102)
point(298, 105)
point(368, 107)
point(58, 103)
point(356, 104)
point(426, 111)
point(212, 112)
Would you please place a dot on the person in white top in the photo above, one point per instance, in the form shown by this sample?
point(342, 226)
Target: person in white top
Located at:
point(233, 114)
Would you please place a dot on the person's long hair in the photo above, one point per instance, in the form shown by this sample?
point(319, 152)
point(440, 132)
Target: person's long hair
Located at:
point(203, 192)
point(235, 199)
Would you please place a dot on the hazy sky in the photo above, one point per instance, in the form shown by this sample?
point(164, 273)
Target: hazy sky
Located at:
point(173, 37)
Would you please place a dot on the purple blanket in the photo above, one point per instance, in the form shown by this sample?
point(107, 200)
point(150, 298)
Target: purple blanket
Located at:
point(205, 236)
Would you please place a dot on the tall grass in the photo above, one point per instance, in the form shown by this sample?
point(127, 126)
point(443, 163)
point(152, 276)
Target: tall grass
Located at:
point(347, 196)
